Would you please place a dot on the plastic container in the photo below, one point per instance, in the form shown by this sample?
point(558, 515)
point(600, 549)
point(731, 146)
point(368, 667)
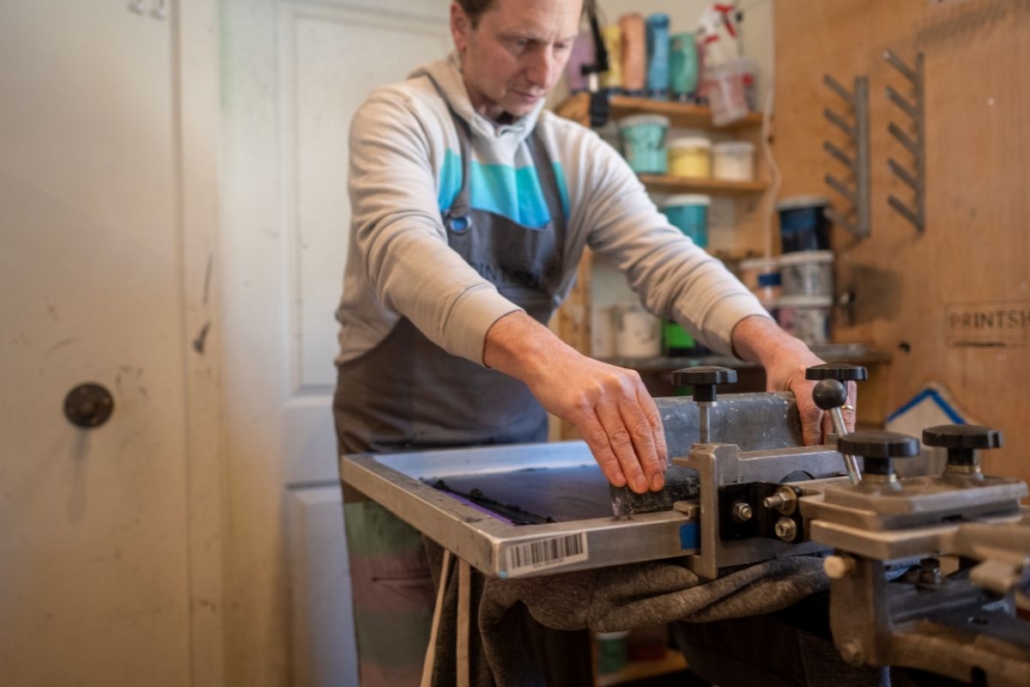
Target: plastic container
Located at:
point(733, 161)
point(689, 214)
point(748, 70)
point(611, 80)
point(690, 157)
point(807, 273)
point(658, 56)
point(582, 54)
point(643, 143)
point(634, 53)
point(751, 269)
point(806, 317)
point(637, 332)
point(803, 223)
point(612, 651)
point(676, 341)
point(724, 88)
point(684, 68)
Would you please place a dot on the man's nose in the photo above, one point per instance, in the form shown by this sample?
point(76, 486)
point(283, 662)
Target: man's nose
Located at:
point(544, 68)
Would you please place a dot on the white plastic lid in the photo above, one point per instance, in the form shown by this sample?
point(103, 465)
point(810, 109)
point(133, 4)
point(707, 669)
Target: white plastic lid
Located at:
point(687, 199)
point(636, 120)
point(796, 202)
point(803, 257)
point(759, 265)
point(804, 302)
point(690, 142)
point(738, 147)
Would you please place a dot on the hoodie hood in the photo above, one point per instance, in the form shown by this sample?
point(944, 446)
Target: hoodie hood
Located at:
point(446, 76)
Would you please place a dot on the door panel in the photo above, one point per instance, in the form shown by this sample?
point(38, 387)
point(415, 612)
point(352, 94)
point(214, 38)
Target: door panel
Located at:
point(93, 538)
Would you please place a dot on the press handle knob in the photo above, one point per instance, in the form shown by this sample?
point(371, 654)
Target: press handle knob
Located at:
point(878, 448)
point(842, 372)
point(704, 379)
point(829, 394)
point(962, 441)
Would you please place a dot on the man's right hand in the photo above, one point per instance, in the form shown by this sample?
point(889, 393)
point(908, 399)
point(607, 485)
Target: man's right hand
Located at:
point(609, 405)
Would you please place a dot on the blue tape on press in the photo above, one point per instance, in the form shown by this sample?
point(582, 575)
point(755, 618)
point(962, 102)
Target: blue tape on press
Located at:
point(688, 536)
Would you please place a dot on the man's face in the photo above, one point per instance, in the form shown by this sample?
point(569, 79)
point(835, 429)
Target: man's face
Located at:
point(516, 53)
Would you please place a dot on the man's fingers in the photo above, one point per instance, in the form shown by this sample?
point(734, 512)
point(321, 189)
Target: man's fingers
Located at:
point(597, 440)
point(642, 436)
point(621, 443)
point(849, 408)
point(654, 419)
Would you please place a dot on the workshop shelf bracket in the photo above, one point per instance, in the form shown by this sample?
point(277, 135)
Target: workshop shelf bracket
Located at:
point(915, 180)
point(856, 218)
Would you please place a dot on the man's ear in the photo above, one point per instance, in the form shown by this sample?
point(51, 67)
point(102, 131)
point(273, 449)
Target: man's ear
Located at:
point(460, 27)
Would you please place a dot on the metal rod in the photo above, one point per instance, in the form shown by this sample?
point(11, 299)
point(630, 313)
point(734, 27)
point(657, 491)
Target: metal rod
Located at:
point(839, 154)
point(906, 71)
point(902, 102)
point(921, 134)
point(839, 89)
point(850, 462)
point(863, 201)
point(903, 138)
point(903, 174)
point(840, 187)
point(705, 427)
point(839, 121)
point(903, 209)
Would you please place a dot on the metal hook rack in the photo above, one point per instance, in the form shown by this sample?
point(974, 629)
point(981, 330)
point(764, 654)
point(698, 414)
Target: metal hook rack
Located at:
point(915, 180)
point(857, 165)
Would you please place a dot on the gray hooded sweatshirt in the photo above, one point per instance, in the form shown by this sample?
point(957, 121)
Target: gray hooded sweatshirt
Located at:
point(405, 169)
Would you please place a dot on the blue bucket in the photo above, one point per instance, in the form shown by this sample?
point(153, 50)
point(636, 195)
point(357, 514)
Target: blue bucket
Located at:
point(643, 143)
point(689, 214)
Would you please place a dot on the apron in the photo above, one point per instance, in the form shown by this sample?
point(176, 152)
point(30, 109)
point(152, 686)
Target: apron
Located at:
point(407, 393)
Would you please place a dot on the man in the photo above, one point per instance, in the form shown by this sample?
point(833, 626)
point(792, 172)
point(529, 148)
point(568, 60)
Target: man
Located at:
point(471, 208)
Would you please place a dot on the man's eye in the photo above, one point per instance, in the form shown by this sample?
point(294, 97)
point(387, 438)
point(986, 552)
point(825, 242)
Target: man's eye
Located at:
point(521, 43)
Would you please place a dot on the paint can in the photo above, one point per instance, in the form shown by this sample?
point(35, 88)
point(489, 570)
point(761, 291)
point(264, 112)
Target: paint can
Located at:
point(806, 317)
point(803, 223)
point(636, 332)
point(807, 273)
point(690, 157)
point(643, 142)
point(689, 214)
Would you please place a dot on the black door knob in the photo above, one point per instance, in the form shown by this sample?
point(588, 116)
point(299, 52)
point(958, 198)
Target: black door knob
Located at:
point(704, 380)
point(842, 372)
point(88, 405)
point(962, 441)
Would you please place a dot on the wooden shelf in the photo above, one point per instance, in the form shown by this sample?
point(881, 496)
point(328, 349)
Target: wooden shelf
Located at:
point(667, 184)
point(682, 115)
point(639, 670)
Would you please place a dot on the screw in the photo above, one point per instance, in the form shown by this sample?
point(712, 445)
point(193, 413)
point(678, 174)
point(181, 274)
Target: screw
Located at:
point(786, 529)
point(742, 511)
point(851, 652)
point(774, 501)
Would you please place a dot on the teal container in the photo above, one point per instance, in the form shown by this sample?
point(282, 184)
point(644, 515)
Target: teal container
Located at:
point(683, 67)
point(643, 143)
point(689, 214)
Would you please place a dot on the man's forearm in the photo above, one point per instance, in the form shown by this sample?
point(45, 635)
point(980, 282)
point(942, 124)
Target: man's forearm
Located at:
point(760, 340)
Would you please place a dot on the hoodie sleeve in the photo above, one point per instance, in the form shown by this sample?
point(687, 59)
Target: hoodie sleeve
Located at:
point(674, 277)
point(400, 236)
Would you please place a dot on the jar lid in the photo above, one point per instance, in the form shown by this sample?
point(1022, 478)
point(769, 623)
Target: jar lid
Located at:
point(687, 199)
point(803, 257)
point(804, 302)
point(644, 119)
point(798, 202)
point(690, 142)
point(759, 264)
point(734, 147)
point(770, 279)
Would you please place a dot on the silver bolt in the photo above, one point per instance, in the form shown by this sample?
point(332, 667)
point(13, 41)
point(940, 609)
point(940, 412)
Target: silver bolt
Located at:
point(774, 501)
point(742, 511)
point(786, 529)
point(784, 500)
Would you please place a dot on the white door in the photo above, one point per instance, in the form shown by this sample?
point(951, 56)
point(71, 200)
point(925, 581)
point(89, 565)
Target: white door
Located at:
point(94, 547)
point(293, 74)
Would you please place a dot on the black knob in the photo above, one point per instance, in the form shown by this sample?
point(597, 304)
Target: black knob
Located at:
point(704, 379)
point(842, 372)
point(878, 448)
point(962, 441)
point(88, 405)
point(829, 394)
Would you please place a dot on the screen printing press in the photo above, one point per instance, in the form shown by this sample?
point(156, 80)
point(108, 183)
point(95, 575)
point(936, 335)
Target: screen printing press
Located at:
point(741, 489)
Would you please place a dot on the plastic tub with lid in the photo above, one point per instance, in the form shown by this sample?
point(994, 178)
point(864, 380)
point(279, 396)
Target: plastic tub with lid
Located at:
point(690, 157)
point(733, 161)
point(806, 317)
point(643, 142)
point(803, 223)
point(689, 213)
point(807, 273)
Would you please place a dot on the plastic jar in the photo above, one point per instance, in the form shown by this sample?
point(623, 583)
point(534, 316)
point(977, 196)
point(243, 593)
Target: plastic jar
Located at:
point(643, 142)
point(612, 649)
point(637, 332)
point(689, 214)
point(733, 161)
point(803, 223)
point(690, 157)
point(806, 317)
point(807, 273)
point(752, 268)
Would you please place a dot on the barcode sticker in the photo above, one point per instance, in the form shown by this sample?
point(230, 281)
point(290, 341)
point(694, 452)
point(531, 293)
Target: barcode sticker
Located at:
point(546, 553)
